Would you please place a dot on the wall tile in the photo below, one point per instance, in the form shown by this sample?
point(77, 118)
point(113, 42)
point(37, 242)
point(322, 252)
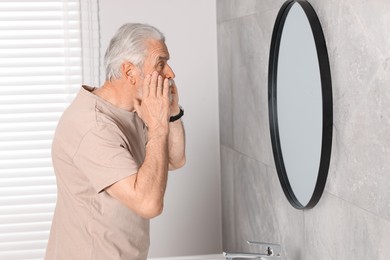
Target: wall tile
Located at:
point(262, 212)
point(359, 14)
point(265, 22)
point(250, 99)
point(360, 75)
point(232, 9)
point(228, 194)
point(228, 9)
point(225, 51)
point(359, 172)
point(335, 229)
point(254, 212)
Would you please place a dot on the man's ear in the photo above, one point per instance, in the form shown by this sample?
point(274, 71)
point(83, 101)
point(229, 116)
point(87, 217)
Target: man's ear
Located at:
point(129, 72)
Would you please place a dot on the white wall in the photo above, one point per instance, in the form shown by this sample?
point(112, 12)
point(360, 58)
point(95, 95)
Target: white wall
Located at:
point(191, 221)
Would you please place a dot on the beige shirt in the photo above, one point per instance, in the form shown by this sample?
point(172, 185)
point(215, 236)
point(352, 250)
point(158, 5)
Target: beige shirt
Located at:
point(95, 145)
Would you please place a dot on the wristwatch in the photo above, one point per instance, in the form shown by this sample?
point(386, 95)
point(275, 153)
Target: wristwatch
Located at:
point(178, 116)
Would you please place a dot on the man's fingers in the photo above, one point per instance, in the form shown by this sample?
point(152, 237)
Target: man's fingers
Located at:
point(159, 86)
point(153, 84)
point(166, 88)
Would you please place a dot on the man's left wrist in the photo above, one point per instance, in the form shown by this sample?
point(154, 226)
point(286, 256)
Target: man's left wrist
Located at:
point(175, 110)
point(178, 115)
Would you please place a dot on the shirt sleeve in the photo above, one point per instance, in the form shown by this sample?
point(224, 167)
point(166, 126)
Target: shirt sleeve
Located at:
point(103, 157)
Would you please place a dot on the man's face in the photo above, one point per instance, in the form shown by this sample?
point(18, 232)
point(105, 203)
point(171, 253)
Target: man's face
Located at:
point(156, 60)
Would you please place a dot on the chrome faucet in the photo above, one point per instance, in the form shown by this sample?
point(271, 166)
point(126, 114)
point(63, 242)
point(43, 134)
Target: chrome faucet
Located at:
point(272, 252)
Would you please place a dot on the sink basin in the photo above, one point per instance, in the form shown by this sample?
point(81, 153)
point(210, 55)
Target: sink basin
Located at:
point(195, 257)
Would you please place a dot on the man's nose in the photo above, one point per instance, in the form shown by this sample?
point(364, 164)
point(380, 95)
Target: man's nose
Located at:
point(169, 72)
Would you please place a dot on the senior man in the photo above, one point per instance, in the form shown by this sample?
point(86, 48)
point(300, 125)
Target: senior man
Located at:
point(112, 150)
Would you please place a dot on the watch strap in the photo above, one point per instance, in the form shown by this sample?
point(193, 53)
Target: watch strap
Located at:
point(177, 117)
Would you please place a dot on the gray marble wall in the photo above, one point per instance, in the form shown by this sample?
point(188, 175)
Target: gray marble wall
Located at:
point(352, 220)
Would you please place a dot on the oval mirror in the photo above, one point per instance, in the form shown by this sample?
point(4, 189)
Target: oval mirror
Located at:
point(300, 103)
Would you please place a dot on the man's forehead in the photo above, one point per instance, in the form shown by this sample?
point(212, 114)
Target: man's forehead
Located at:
point(158, 49)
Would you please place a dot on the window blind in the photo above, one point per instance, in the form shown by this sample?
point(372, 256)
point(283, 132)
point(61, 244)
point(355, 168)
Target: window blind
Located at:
point(43, 47)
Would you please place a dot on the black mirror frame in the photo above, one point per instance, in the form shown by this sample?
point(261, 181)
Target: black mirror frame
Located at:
point(327, 103)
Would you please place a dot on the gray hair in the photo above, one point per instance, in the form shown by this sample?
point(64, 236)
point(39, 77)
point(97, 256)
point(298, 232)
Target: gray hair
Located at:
point(129, 44)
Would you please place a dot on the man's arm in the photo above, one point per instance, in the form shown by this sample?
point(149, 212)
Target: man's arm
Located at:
point(176, 140)
point(176, 145)
point(143, 192)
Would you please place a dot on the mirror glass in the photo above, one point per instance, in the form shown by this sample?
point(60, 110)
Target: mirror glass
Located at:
point(300, 103)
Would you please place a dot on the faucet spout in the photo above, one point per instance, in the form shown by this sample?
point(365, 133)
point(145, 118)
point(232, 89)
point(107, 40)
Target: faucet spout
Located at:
point(230, 256)
point(269, 254)
point(271, 247)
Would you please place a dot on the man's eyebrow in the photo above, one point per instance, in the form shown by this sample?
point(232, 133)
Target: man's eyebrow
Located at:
point(165, 58)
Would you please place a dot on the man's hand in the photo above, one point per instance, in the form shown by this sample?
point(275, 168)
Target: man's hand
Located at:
point(154, 107)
